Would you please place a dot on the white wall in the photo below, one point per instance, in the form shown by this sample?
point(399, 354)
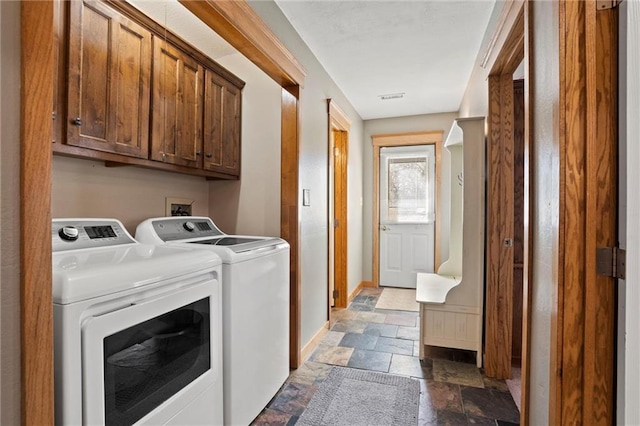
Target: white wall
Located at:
point(10, 213)
point(86, 188)
point(251, 206)
point(317, 88)
point(628, 409)
point(413, 123)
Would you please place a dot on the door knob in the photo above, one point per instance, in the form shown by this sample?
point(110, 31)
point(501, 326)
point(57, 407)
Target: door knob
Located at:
point(384, 227)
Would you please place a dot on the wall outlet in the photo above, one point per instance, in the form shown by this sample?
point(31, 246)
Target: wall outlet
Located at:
point(178, 207)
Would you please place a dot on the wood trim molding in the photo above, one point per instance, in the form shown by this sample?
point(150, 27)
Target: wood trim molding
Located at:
point(511, 12)
point(409, 138)
point(433, 137)
point(338, 144)
point(290, 215)
point(315, 340)
point(341, 168)
point(36, 313)
point(242, 27)
point(500, 202)
point(585, 369)
point(527, 257)
point(338, 119)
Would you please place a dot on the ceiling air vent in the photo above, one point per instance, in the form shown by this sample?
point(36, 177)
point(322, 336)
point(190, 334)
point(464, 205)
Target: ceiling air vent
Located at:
point(391, 96)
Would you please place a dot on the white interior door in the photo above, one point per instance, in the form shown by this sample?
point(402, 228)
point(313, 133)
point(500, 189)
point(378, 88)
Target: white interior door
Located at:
point(407, 214)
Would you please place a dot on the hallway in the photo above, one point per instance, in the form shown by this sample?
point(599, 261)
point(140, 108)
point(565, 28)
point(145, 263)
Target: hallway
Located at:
point(452, 390)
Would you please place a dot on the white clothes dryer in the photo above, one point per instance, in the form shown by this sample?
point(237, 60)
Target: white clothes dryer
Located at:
point(255, 310)
point(137, 329)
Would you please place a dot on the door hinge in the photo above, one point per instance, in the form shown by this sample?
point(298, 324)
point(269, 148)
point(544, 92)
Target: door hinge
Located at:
point(336, 223)
point(335, 294)
point(610, 262)
point(606, 4)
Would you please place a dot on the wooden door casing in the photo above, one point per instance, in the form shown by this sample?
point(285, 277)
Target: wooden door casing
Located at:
point(584, 374)
point(176, 119)
point(108, 81)
point(222, 112)
point(341, 153)
point(518, 219)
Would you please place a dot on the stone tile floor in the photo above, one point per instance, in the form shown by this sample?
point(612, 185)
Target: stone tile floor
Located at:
point(452, 390)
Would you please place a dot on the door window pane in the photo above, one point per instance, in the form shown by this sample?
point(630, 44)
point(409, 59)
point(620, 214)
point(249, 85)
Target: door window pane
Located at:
point(146, 364)
point(408, 197)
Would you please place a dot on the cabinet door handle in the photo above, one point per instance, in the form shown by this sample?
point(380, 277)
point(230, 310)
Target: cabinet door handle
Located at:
point(77, 121)
point(198, 152)
point(208, 155)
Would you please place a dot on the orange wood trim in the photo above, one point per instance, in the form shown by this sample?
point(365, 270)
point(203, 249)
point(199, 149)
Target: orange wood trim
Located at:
point(243, 28)
point(506, 219)
point(512, 52)
point(601, 212)
point(432, 137)
point(338, 119)
point(585, 332)
point(341, 251)
point(338, 132)
point(493, 239)
point(375, 227)
point(573, 212)
point(557, 329)
point(315, 340)
point(410, 138)
point(527, 258)
point(508, 16)
point(289, 215)
point(36, 314)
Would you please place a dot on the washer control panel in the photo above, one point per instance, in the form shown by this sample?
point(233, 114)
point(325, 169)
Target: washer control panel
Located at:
point(182, 228)
point(74, 234)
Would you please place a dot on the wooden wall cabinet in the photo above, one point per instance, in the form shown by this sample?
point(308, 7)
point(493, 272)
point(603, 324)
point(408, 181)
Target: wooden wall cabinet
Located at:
point(130, 92)
point(176, 121)
point(108, 81)
point(222, 111)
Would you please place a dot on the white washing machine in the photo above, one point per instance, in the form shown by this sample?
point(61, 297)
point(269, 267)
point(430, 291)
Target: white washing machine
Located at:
point(137, 329)
point(255, 310)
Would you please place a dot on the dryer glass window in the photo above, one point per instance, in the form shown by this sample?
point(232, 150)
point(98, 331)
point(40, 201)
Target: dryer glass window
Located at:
point(146, 364)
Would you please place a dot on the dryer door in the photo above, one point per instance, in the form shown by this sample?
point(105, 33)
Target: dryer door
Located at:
point(151, 357)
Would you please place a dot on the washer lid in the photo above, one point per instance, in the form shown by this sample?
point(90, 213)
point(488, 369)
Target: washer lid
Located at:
point(84, 274)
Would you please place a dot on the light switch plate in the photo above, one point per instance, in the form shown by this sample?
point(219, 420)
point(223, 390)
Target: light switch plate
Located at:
point(306, 197)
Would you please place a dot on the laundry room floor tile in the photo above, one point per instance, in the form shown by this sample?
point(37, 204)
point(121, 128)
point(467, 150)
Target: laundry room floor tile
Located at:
point(452, 389)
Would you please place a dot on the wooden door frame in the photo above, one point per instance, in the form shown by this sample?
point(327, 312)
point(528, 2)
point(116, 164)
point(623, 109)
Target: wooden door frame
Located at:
point(337, 204)
point(433, 137)
point(508, 47)
point(238, 24)
point(500, 203)
point(583, 336)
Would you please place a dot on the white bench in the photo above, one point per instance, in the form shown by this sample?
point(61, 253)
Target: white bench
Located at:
point(444, 324)
point(451, 300)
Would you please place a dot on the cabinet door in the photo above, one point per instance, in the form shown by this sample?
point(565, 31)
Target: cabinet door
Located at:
point(109, 70)
point(176, 120)
point(221, 125)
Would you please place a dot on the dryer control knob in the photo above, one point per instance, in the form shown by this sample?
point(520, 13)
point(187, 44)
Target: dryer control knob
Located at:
point(68, 233)
point(189, 226)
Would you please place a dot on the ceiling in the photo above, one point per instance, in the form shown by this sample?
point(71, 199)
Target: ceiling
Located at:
point(423, 49)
